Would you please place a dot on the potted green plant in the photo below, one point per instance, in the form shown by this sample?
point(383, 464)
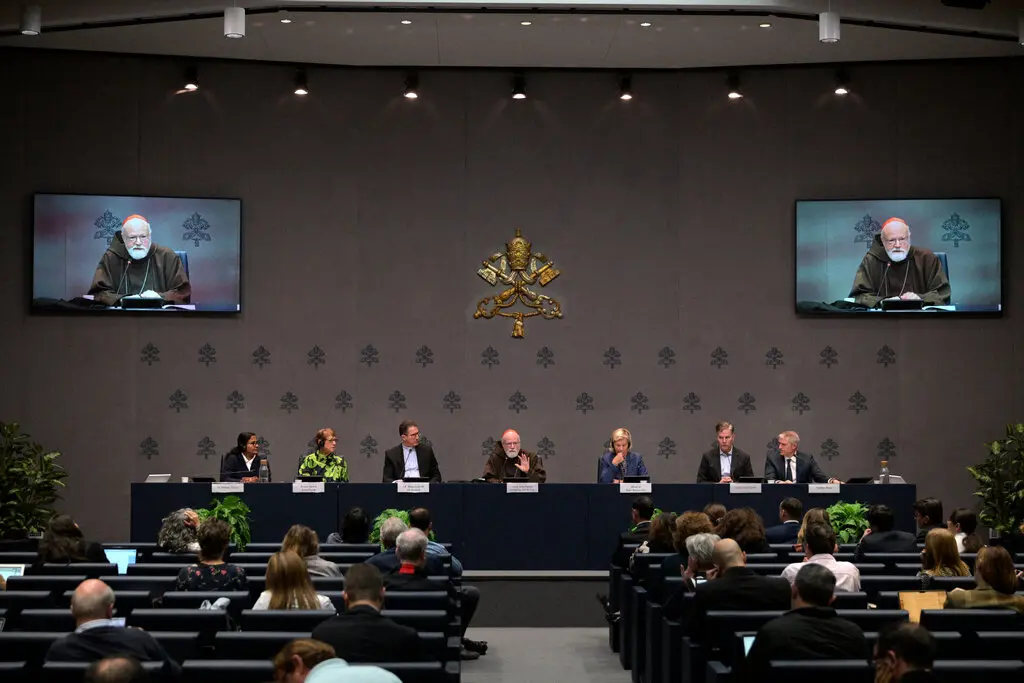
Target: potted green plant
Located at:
point(1000, 485)
point(848, 520)
point(30, 478)
point(235, 512)
point(387, 514)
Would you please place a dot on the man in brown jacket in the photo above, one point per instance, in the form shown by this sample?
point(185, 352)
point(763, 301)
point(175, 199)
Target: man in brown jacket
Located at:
point(893, 269)
point(508, 461)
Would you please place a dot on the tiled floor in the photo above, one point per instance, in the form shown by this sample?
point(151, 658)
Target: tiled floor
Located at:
point(544, 655)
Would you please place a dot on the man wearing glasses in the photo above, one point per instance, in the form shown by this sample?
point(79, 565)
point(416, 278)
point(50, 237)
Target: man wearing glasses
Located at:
point(134, 266)
point(410, 459)
point(894, 269)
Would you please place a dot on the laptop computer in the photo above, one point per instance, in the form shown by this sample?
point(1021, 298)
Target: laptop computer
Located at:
point(9, 570)
point(637, 479)
point(748, 642)
point(860, 480)
point(157, 478)
point(122, 557)
point(414, 479)
point(751, 480)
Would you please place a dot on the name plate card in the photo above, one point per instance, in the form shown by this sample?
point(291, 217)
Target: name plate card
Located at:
point(823, 488)
point(227, 487)
point(522, 487)
point(744, 488)
point(413, 486)
point(635, 487)
point(307, 487)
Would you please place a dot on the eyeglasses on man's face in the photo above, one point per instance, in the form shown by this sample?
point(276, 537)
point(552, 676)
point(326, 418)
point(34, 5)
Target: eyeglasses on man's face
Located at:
point(897, 240)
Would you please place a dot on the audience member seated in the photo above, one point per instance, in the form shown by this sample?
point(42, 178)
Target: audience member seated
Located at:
point(117, 669)
point(963, 523)
point(289, 587)
point(700, 550)
point(303, 541)
point(387, 560)
point(819, 544)
point(791, 511)
point(211, 573)
point(811, 630)
point(812, 516)
point(745, 527)
point(419, 518)
point(659, 540)
point(97, 635)
point(996, 583)
point(715, 512)
point(640, 514)
point(731, 585)
point(881, 536)
point(904, 653)
point(64, 543)
point(939, 557)
point(411, 550)
point(355, 528)
point(361, 633)
point(687, 524)
point(928, 515)
point(178, 532)
point(310, 661)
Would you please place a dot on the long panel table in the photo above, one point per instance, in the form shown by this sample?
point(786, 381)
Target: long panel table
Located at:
point(561, 527)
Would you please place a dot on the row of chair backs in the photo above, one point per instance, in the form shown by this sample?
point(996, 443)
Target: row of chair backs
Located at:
point(860, 671)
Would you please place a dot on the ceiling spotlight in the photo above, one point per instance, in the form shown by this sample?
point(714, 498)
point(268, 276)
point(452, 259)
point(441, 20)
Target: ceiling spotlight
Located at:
point(828, 27)
point(191, 79)
point(733, 83)
point(412, 82)
point(31, 20)
point(286, 20)
point(765, 24)
point(406, 21)
point(301, 82)
point(626, 88)
point(518, 88)
point(645, 24)
point(842, 83)
point(234, 22)
point(525, 23)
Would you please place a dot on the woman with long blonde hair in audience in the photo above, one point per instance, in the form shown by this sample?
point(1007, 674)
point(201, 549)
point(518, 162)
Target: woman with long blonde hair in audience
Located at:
point(812, 516)
point(940, 557)
point(289, 587)
point(304, 542)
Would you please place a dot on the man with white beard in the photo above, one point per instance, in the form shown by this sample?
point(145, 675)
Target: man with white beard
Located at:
point(893, 269)
point(509, 461)
point(134, 266)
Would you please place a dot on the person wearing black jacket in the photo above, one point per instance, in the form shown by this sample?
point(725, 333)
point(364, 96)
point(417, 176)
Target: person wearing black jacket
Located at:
point(410, 458)
point(242, 463)
point(641, 513)
point(880, 537)
point(361, 633)
point(724, 463)
point(97, 635)
point(928, 515)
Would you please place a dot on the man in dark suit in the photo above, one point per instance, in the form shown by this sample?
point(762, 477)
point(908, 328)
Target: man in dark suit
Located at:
point(387, 560)
point(928, 515)
point(410, 458)
point(361, 633)
point(98, 636)
point(725, 463)
point(791, 513)
point(641, 513)
point(880, 537)
point(811, 630)
point(789, 466)
point(731, 585)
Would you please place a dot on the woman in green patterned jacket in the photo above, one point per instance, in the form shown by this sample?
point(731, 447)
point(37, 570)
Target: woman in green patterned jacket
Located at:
point(324, 461)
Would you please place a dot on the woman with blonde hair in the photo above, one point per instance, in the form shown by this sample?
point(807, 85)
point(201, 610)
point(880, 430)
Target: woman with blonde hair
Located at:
point(621, 462)
point(304, 542)
point(812, 516)
point(289, 587)
point(940, 557)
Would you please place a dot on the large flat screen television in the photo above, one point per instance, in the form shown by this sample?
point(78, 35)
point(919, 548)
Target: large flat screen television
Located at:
point(899, 256)
point(122, 253)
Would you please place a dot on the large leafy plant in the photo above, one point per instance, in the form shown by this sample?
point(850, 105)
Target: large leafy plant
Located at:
point(848, 520)
point(235, 512)
point(1000, 479)
point(388, 514)
point(30, 477)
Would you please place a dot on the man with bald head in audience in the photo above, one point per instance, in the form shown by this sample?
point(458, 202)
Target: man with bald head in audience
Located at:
point(731, 585)
point(509, 461)
point(98, 635)
point(116, 670)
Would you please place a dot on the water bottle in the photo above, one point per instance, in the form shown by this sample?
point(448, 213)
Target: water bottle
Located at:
point(265, 472)
point(883, 477)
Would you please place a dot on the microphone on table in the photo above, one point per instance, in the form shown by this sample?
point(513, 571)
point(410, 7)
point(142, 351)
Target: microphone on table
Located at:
point(884, 274)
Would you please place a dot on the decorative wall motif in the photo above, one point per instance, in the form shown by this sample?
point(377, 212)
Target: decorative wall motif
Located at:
point(369, 355)
point(612, 358)
point(719, 358)
point(451, 402)
point(489, 357)
point(149, 448)
point(260, 357)
point(858, 402)
point(638, 403)
point(207, 354)
point(196, 229)
point(545, 447)
point(264, 446)
point(747, 403)
point(396, 401)
point(343, 401)
point(866, 229)
point(886, 356)
point(150, 354)
point(517, 402)
point(666, 448)
point(424, 356)
point(773, 358)
point(487, 446)
point(801, 403)
point(289, 402)
point(955, 230)
point(206, 448)
point(829, 449)
point(178, 401)
point(236, 401)
point(107, 226)
point(691, 402)
point(829, 357)
point(666, 357)
point(545, 357)
point(368, 446)
point(584, 402)
point(886, 449)
point(316, 357)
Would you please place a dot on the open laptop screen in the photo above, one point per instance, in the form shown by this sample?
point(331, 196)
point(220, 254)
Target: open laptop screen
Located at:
point(122, 557)
point(748, 642)
point(9, 570)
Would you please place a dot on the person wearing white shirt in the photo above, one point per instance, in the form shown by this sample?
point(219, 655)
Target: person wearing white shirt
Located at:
point(410, 459)
point(309, 661)
point(819, 544)
point(724, 463)
point(789, 466)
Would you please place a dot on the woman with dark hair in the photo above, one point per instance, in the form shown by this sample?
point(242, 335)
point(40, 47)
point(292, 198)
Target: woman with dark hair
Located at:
point(211, 573)
point(355, 528)
point(242, 463)
point(64, 543)
point(746, 527)
point(715, 512)
point(178, 532)
point(289, 587)
point(303, 541)
point(963, 523)
point(996, 583)
point(687, 524)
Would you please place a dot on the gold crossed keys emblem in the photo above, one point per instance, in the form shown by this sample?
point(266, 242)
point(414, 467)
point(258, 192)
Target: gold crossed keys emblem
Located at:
point(517, 269)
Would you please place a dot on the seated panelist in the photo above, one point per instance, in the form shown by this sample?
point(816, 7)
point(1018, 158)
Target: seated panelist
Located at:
point(410, 458)
point(242, 463)
point(789, 466)
point(621, 462)
point(325, 461)
point(724, 463)
point(509, 461)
